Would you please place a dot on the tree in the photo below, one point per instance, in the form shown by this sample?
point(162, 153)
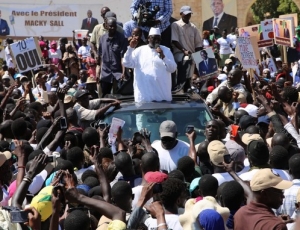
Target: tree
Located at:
point(274, 8)
point(261, 7)
point(288, 7)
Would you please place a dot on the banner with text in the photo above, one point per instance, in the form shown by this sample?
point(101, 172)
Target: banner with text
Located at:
point(26, 54)
point(246, 52)
point(56, 19)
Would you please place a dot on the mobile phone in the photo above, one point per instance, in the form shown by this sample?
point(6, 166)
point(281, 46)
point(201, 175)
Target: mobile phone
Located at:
point(19, 216)
point(190, 129)
point(102, 125)
point(51, 159)
point(12, 146)
point(63, 123)
point(157, 188)
point(227, 158)
point(137, 138)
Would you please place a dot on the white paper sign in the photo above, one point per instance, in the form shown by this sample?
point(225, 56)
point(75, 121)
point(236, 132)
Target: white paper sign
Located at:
point(26, 55)
point(267, 29)
point(114, 127)
point(271, 65)
point(246, 53)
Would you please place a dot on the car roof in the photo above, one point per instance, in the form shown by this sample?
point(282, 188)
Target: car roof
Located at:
point(178, 101)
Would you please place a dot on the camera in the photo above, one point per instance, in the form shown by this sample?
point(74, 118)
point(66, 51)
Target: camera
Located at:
point(51, 158)
point(227, 158)
point(19, 216)
point(100, 124)
point(63, 123)
point(190, 129)
point(157, 188)
point(147, 15)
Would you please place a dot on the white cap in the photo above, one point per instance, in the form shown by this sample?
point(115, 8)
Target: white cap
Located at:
point(222, 77)
point(250, 109)
point(154, 31)
point(5, 76)
point(278, 59)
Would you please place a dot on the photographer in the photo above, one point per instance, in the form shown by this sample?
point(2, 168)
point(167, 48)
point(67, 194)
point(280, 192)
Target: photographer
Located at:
point(161, 19)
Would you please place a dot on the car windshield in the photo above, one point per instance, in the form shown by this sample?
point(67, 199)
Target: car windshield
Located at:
point(152, 118)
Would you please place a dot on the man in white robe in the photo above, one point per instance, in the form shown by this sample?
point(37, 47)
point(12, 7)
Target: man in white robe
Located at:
point(153, 65)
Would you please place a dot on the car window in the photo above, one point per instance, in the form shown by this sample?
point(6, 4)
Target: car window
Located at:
point(151, 119)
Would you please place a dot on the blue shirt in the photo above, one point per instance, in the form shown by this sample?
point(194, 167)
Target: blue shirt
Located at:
point(111, 51)
point(128, 27)
point(163, 15)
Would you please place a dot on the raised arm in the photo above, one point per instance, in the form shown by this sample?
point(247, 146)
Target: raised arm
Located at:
point(104, 208)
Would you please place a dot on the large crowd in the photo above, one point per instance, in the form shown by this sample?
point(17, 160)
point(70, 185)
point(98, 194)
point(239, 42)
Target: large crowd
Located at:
point(58, 171)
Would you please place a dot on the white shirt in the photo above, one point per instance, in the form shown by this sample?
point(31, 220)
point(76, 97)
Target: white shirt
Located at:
point(84, 51)
point(8, 58)
point(168, 158)
point(224, 177)
point(225, 45)
point(85, 116)
point(79, 172)
point(232, 37)
point(61, 85)
point(56, 54)
point(38, 89)
point(248, 175)
point(152, 75)
point(172, 221)
point(290, 198)
point(137, 191)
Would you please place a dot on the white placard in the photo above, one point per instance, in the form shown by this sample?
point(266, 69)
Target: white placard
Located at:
point(26, 54)
point(114, 127)
point(246, 52)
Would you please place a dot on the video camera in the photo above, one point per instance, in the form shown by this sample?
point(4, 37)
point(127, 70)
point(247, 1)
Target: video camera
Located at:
point(147, 15)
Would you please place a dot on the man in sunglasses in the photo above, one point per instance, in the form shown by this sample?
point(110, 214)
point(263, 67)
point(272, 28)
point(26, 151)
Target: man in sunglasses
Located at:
point(169, 148)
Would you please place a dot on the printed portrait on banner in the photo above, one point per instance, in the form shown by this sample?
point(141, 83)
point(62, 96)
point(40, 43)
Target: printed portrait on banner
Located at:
point(219, 13)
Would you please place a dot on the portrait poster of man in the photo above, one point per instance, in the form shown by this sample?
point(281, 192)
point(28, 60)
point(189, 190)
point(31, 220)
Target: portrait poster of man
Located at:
point(249, 31)
point(220, 13)
point(294, 18)
point(205, 62)
point(283, 31)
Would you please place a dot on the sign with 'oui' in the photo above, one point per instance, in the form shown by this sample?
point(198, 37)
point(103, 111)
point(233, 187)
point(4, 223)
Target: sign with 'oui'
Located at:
point(26, 54)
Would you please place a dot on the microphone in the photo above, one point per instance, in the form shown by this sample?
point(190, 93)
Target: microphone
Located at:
point(156, 45)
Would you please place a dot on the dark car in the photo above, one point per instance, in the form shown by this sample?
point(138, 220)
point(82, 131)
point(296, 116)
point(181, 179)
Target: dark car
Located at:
point(182, 110)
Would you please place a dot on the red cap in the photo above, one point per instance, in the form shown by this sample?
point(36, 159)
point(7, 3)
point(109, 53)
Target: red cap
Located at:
point(210, 88)
point(243, 105)
point(156, 177)
point(268, 96)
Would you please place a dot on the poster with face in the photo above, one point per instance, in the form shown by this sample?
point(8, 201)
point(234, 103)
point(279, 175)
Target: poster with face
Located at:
point(220, 13)
point(206, 63)
point(283, 31)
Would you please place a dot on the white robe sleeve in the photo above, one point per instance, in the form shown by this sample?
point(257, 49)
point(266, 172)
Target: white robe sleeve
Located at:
point(169, 61)
point(129, 59)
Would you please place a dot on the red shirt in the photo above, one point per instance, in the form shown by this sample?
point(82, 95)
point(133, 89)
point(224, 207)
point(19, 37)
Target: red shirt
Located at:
point(257, 216)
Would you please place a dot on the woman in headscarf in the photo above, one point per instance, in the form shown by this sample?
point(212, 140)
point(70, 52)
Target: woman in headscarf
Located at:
point(54, 54)
point(71, 60)
point(44, 50)
point(209, 219)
